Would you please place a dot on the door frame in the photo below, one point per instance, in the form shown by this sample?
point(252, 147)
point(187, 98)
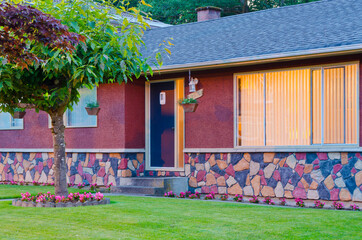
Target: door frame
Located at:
point(179, 125)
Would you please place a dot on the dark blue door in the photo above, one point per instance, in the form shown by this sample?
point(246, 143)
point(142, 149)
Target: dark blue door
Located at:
point(162, 124)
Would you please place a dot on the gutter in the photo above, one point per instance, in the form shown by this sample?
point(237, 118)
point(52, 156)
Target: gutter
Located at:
point(266, 58)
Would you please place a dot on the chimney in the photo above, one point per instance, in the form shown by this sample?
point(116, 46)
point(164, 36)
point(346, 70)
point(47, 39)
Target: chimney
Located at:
point(207, 13)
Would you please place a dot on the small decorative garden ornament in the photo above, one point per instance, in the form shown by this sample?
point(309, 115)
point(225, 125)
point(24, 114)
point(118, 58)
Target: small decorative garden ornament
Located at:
point(92, 108)
point(189, 104)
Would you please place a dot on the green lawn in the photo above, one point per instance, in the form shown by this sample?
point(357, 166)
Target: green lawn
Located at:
point(14, 191)
point(164, 218)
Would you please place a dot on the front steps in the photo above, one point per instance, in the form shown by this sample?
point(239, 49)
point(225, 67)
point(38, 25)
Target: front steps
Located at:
point(155, 186)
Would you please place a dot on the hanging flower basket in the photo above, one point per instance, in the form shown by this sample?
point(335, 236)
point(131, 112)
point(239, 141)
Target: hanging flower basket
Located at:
point(189, 104)
point(190, 107)
point(93, 110)
point(19, 114)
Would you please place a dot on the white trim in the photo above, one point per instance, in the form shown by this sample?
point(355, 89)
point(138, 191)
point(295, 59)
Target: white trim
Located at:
point(148, 127)
point(319, 52)
point(350, 148)
point(12, 128)
point(75, 150)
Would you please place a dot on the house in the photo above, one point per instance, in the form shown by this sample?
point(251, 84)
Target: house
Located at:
point(278, 110)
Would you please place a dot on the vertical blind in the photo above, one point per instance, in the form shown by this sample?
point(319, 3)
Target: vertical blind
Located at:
point(298, 107)
point(288, 107)
point(251, 108)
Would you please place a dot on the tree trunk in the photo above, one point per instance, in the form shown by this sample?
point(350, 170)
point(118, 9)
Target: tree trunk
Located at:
point(60, 168)
point(244, 4)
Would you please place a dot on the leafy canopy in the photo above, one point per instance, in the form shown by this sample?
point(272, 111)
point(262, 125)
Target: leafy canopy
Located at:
point(22, 26)
point(109, 53)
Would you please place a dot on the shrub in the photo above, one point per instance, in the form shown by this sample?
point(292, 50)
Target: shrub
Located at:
point(354, 207)
point(210, 196)
point(299, 202)
point(238, 198)
point(35, 183)
point(93, 186)
point(283, 201)
point(169, 194)
point(195, 195)
point(254, 199)
point(184, 194)
point(224, 197)
point(268, 201)
point(338, 205)
point(318, 204)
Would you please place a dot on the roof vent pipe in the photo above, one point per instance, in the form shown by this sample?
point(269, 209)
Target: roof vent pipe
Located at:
point(208, 13)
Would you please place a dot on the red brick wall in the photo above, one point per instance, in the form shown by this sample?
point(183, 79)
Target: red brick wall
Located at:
point(110, 132)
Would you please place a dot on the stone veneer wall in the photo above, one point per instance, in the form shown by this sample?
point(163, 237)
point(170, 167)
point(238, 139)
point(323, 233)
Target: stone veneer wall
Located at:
point(100, 168)
point(327, 176)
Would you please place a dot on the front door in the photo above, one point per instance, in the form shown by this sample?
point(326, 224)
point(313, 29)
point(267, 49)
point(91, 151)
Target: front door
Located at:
point(162, 124)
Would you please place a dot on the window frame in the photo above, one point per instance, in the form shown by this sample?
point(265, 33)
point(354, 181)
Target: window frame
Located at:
point(316, 147)
point(13, 128)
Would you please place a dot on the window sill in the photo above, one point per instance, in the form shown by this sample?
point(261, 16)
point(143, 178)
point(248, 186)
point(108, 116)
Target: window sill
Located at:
point(81, 126)
point(17, 128)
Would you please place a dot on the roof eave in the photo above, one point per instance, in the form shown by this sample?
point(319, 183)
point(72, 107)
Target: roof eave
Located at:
point(286, 56)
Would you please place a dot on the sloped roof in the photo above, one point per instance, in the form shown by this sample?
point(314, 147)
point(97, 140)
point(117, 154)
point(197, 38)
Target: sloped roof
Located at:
point(324, 25)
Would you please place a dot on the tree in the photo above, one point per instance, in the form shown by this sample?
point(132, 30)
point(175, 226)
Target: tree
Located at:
point(180, 11)
point(25, 25)
point(109, 53)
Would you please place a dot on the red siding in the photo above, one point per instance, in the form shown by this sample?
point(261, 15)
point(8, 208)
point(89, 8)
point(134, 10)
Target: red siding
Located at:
point(135, 115)
point(211, 126)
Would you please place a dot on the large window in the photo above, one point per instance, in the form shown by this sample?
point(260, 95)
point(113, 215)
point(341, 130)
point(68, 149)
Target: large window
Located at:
point(8, 122)
point(309, 106)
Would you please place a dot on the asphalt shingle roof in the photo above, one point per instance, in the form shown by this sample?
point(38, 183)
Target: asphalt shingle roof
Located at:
point(316, 25)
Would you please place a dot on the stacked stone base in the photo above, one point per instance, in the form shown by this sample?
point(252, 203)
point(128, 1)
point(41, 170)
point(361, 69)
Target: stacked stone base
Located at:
point(325, 176)
point(19, 203)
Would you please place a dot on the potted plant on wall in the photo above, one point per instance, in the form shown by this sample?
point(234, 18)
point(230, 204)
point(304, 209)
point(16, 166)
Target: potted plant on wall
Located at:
point(189, 104)
point(19, 113)
point(92, 108)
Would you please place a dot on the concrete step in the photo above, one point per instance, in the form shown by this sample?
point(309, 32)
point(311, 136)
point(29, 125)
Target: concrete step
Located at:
point(142, 181)
point(139, 190)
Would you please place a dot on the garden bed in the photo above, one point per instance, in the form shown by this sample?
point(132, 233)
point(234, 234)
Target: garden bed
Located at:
point(295, 203)
point(50, 200)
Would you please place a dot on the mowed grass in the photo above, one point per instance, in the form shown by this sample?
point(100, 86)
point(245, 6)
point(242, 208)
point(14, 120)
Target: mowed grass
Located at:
point(165, 218)
point(14, 191)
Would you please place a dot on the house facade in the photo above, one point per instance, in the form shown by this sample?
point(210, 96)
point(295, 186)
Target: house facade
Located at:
point(278, 111)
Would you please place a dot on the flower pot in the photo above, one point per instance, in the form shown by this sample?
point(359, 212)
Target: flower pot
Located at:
point(92, 111)
point(19, 115)
point(190, 107)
